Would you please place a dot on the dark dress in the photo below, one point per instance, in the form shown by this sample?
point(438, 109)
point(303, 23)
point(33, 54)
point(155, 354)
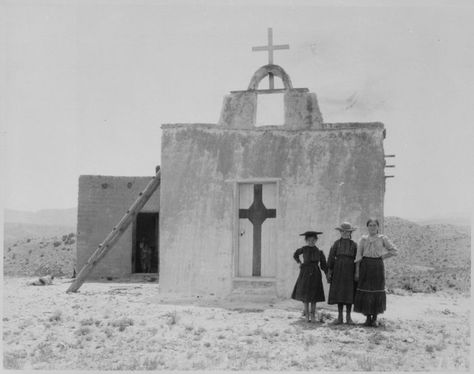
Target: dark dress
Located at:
point(370, 297)
point(309, 285)
point(341, 268)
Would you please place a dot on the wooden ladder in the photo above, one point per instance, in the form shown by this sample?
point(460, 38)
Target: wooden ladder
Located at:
point(116, 232)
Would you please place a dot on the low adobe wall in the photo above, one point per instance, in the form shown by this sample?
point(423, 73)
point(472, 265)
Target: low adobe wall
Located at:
point(103, 200)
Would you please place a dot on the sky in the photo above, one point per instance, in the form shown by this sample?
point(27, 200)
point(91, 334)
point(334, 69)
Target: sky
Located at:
point(87, 85)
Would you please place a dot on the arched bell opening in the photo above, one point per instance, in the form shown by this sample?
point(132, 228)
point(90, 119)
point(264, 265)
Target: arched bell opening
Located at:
point(270, 103)
point(273, 71)
point(270, 110)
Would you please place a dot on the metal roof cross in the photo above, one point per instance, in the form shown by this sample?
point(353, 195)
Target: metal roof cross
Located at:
point(270, 48)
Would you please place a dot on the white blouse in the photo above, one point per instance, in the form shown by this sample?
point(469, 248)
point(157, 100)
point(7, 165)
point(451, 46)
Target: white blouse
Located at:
point(375, 246)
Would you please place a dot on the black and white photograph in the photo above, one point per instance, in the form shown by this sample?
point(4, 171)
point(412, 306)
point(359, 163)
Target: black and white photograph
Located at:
point(250, 186)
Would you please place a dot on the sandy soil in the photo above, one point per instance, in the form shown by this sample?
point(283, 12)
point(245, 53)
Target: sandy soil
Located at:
point(129, 326)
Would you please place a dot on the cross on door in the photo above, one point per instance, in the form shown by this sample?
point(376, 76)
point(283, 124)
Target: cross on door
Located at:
point(257, 213)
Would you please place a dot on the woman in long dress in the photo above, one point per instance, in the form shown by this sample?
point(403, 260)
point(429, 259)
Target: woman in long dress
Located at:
point(370, 298)
point(309, 285)
point(341, 272)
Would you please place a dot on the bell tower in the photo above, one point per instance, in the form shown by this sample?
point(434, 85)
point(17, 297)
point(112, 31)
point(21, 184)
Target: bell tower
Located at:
point(301, 109)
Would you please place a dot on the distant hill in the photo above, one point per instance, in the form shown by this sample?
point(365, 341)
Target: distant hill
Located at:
point(14, 232)
point(38, 250)
point(52, 217)
point(431, 257)
point(455, 220)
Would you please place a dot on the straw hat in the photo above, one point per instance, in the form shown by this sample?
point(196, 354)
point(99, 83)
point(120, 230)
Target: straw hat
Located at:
point(346, 226)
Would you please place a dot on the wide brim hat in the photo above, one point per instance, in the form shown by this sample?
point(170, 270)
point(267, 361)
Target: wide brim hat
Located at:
point(346, 226)
point(311, 233)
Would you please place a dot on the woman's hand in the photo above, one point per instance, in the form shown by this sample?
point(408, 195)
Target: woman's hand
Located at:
point(328, 278)
point(356, 277)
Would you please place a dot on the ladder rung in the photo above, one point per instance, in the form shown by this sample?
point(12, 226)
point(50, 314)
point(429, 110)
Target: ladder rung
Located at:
point(117, 231)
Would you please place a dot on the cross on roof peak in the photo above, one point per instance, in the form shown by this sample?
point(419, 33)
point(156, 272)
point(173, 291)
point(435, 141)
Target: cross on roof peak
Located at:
point(270, 48)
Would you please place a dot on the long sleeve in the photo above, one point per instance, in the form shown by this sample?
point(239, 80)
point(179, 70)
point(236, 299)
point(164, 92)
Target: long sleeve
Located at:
point(322, 262)
point(331, 257)
point(297, 254)
point(360, 250)
point(390, 247)
point(356, 249)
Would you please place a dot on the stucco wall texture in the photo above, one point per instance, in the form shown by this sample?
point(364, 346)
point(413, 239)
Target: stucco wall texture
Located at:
point(103, 200)
point(326, 175)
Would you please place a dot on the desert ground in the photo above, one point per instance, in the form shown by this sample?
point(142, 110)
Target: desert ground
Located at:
point(128, 326)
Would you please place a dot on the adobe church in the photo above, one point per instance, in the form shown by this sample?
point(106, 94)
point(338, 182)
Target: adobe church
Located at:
point(234, 197)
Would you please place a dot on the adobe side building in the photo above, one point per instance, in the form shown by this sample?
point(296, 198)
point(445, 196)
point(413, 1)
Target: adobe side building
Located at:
point(103, 200)
point(234, 197)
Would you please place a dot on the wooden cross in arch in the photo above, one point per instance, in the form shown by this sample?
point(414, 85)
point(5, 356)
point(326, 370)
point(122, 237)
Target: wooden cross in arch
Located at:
point(270, 48)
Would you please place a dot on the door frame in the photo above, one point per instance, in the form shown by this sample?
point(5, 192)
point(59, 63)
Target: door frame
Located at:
point(134, 240)
point(235, 221)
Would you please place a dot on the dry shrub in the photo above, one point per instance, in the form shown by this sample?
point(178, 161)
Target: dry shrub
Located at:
point(56, 317)
point(199, 365)
point(324, 316)
point(294, 363)
point(377, 338)
point(68, 239)
point(257, 331)
point(108, 332)
point(122, 323)
point(173, 318)
point(438, 345)
point(310, 340)
point(198, 333)
point(135, 364)
point(13, 360)
point(87, 322)
point(188, 328)
point(201, 330)
point(366, 363)
point(83, 330)
point(151, 363)
point(44, 352)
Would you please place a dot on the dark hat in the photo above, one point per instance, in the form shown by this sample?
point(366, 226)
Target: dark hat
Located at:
point(346, 226)
point(311, 233)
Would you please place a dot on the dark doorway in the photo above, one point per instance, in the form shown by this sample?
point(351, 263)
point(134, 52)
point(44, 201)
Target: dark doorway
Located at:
point(146, 257)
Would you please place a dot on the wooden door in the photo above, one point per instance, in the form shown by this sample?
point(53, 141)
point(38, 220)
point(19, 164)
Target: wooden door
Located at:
point(257, 213)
